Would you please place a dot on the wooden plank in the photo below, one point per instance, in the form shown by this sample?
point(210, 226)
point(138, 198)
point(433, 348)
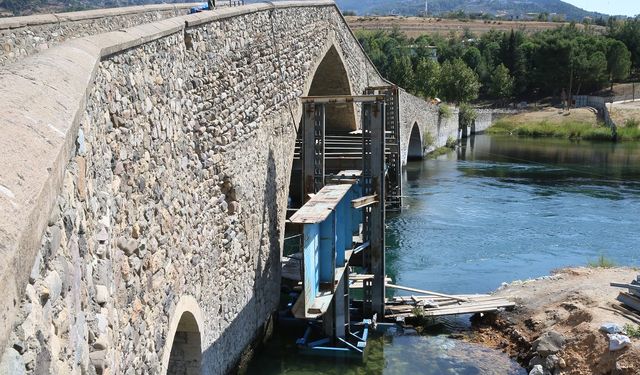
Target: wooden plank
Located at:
point(320, 206)
point(462, 308)
point(473, 297)
point(360, 276)
point(352, 172)
point(392, 286)
point(472, 305)
point(628, 286)
point(364, 201)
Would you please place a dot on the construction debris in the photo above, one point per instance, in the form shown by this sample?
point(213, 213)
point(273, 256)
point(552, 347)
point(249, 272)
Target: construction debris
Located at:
point(403, 307)
point(631, 298)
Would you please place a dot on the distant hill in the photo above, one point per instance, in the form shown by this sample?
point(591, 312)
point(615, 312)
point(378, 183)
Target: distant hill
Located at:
point(27, 7)
point(515, 8)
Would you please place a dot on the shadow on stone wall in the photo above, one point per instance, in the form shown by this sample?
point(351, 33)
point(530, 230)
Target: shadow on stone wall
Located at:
point(251, 317)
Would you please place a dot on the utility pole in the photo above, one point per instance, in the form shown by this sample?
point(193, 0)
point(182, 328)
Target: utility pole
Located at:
point(426, 8)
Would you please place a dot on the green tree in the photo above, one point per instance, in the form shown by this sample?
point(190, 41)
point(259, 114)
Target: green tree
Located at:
point(618, 61)
point(400, 72)
point(514, 59)
point(458, 83)
point(427, 76)
point(628, 32)
point(472, 57)
point(501, 83)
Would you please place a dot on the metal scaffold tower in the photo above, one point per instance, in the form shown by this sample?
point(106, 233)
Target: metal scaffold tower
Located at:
point(341, 227)
point(342, 221)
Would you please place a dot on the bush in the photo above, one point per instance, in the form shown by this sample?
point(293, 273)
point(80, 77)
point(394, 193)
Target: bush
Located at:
point(445, 111)
point(632, 331)
point(451, 142)
point(428, 140)
point(467, 115)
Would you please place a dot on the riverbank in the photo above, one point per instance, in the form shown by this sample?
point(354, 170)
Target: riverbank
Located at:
point(557, 323)
point(579, 123)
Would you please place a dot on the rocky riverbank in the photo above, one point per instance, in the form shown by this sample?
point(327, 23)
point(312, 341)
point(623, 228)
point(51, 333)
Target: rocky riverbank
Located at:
point(556, 326)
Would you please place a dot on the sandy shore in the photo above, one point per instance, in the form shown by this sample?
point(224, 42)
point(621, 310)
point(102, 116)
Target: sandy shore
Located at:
point(563, 312)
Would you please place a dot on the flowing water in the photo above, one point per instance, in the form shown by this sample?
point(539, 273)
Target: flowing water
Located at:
point(497, 209)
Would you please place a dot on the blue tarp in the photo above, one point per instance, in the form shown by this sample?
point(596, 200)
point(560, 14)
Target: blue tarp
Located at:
point(199, 8)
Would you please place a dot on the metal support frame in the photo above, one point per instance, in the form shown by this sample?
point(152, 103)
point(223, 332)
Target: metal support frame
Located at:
point(313, 148)
point(368, 193)
point(393, 181)
point(373, 182)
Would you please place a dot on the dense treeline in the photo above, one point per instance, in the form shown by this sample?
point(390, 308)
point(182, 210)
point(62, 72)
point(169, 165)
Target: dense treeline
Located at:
point(505, 65)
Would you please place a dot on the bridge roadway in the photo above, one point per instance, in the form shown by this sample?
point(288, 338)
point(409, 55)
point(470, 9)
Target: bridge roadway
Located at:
point(144, 177)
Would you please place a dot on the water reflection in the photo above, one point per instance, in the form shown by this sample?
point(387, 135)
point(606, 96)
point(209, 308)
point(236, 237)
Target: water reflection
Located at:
point(505, 208)
point(498, 209)
point(393, 353)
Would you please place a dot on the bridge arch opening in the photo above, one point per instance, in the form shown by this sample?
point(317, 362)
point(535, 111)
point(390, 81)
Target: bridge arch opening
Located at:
point(182, 353)
point(414, 151)
point(186, 350)
point(331, 78)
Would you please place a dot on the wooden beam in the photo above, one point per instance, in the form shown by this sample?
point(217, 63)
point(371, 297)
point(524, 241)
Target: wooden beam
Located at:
point(364, 201)
point(628, 286)
point(343, 99)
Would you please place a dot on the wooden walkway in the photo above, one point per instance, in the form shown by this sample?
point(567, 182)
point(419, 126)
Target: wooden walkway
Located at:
point(428, 303)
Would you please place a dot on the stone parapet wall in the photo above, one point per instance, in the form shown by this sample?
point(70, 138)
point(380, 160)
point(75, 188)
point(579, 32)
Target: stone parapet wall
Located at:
point(154, 167)
point(24, 36)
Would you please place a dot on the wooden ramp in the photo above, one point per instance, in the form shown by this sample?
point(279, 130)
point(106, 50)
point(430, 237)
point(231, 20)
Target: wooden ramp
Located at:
point(428, 303)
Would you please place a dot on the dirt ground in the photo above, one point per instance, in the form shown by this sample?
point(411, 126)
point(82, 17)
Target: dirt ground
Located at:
point(623, 112)
point(556, 116)
point(416, 26)
point(574, 303)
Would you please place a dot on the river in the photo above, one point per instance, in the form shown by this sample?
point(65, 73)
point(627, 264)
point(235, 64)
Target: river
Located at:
point(497, 209)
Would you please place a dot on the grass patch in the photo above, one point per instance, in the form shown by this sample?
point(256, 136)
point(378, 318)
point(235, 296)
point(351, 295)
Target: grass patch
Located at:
point(601, 262)
point(439, 152)
point(566, 129)
point(632, 331)
point(450, 145)
point(630, 131)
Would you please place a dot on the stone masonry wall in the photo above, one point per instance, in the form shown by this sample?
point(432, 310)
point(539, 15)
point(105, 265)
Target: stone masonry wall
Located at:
point(24, 36)
point(177, 186)
point(487, 117)
point(435, 130)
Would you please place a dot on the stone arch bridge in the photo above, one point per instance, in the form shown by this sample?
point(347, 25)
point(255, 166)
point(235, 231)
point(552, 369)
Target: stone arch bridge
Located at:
point(144, 174)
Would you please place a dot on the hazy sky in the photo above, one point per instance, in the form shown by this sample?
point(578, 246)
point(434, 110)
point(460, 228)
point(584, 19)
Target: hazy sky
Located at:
point(626, 7)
